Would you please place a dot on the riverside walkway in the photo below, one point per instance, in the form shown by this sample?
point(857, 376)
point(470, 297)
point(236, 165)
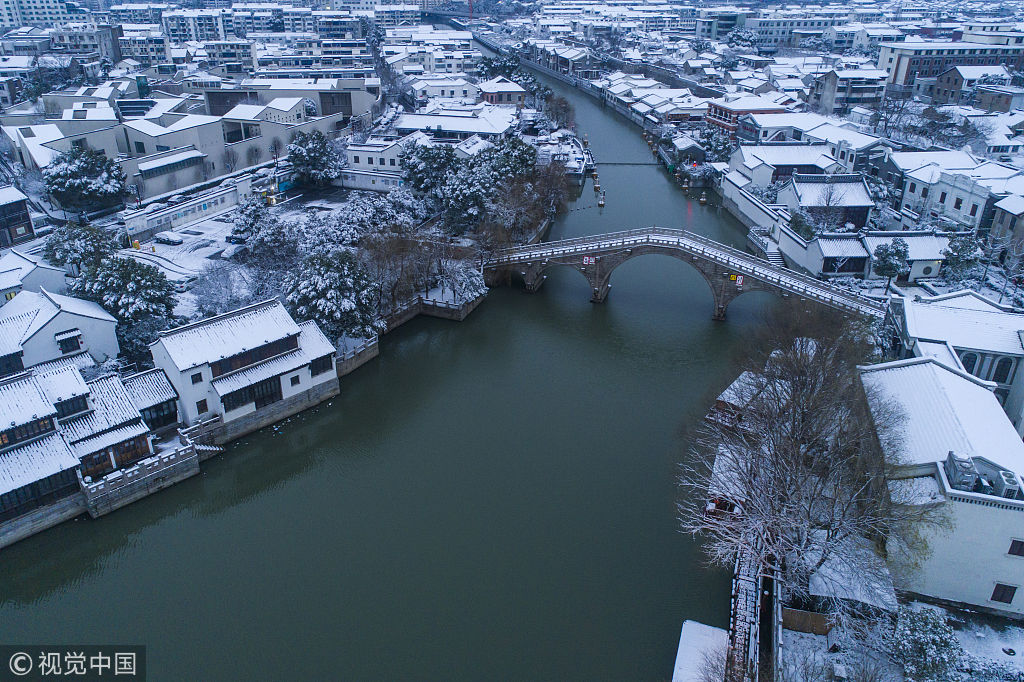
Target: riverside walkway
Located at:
point(728, 271)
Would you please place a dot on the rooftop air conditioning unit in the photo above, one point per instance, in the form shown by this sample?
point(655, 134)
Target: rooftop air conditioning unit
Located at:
point(1007, 485)
point(961, 471)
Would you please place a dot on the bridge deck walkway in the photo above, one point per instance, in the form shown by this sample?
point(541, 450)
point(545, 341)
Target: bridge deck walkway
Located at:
point(702, 247)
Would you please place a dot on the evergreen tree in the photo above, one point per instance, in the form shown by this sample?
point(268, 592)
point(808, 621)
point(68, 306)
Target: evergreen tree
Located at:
point(890, 259)
point(427, 168)
point(83, 246)
point(333, 289)
point(314, 158)
point(84, 178)
point(251, 214)
point(961, 254)
point(137, 294)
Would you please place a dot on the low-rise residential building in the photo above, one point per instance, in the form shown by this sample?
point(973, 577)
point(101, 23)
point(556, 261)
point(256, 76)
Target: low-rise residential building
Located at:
point(839, 90)
point(1002, 98)
point(958, 85)
point(501, 90)
point(250, 367)
point(957, 451)
point(970, 333)
point(840, 199)
point(15, 221)
point(726, 113)
point(26, 272)
point(37, 327)
point(762, 165)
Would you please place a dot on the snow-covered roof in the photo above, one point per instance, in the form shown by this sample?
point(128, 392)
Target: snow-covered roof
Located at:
point(787, 155)
point(842, 247)
point(965, 327)
point(34, 461)
point(229, 334)
point(975, 72)
point(856, 573)
point(500, 84)
point(61, 383)
point(1013, 204)
point(111, 406)
point(22, 399)
point(920, 245)
point(942, 409)
point(149, 388)
point(8, 195)
point(832, 190)
point(29, 311)
point(168, 160)
point(836, 134)
point(697, 643)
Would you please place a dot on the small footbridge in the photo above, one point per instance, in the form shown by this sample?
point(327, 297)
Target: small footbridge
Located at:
point(728, 271)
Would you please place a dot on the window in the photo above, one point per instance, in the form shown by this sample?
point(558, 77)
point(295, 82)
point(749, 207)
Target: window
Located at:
point(969, 360)
point(392, 162)
point(369, 160)
point(957, 203)
point(913, 187)
point(942, 198)
point(924, 192)
point(320, 365)
point(1003, 593)
point(70, 345)
point(974, 210)
point(197, 378)
point(355, 159)
point(1003, 369)
point(295, 380)
point(201, 406)
point(140, 148)
point(1016, 547)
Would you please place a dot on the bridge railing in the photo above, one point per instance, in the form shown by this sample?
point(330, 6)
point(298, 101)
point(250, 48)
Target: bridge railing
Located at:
point(759, 268)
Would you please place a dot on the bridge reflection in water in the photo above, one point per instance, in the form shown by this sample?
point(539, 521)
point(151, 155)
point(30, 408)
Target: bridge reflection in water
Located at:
point(728, 271)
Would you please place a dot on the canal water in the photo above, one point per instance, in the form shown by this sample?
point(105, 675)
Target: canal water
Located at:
point(492, 499)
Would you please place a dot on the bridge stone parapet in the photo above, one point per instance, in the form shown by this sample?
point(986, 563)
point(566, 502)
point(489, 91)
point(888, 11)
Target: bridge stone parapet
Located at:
point(729, 272)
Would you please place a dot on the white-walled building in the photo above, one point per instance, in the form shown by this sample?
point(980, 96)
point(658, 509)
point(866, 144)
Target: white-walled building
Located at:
point(25, 272)
point(40, 327)
point(250, 367)
point(959, 452)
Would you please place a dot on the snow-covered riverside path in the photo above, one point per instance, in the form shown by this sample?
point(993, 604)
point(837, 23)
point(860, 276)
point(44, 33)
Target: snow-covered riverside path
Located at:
point(489, 499)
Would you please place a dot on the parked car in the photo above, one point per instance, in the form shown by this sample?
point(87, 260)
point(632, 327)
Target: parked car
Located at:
point(185, 284)
point(234, 239)
point(166, 237)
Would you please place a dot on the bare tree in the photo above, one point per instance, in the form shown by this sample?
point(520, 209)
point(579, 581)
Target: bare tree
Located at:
point(830, 213)
point(799, 475)
point(276, 147)
point(891, 112)
point(230, 159)
point(252, 155)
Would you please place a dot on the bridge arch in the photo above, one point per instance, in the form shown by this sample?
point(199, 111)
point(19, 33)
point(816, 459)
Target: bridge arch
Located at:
point(728, 271)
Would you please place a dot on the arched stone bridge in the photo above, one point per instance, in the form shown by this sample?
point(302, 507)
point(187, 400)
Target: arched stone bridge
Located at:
point(728, 271)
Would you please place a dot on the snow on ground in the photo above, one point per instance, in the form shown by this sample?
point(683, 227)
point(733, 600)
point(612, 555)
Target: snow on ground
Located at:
point(807, 658)
point(699, 646)
point(202, 242)
point(985, 636)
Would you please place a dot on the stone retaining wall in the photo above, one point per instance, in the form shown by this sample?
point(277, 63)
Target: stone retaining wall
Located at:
point(41, 518)
point(270, 414)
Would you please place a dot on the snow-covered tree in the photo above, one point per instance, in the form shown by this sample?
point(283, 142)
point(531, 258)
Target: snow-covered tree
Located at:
point(741, 37)
point(717, 144)
point(463, 278)
point(924, 644)
point(83, 178)
point(426, 168)
point(251, 214)
point(314, 158)
point(333, 290)
point(219, 288)
point(889, 260)
point(127, 288)
point(81, 246)
point(137, 294)
point(961, 254)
